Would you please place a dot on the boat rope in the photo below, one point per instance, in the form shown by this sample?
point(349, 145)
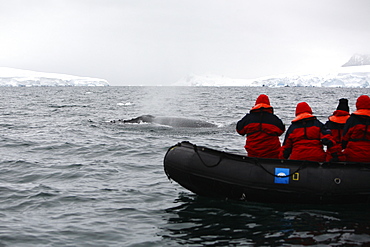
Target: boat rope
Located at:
point(204, 163)
point(222, 155)
point(272, 174)
point(168, 175)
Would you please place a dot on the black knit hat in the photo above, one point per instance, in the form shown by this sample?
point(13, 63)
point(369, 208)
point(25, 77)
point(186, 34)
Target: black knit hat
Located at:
point(343, 105)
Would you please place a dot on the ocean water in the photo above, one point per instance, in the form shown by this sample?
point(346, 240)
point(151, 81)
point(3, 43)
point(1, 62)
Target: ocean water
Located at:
point(70, 177)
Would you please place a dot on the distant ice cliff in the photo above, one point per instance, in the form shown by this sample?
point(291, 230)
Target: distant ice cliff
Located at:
point(353, 74)
point(26, 78)
point(350, 76)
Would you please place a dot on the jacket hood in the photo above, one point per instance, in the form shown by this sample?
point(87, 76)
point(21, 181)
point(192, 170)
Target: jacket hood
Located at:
point(303, 111)
point(340, 113)
point(302, 107)
point(339, 117)
point(363, 102)
point(362, 112)
point(304, 115)
point(262, 101)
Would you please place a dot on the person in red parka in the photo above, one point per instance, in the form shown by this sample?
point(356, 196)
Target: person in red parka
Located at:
point(336, 124)
point(305, 137)
point(262, 128)
point(356, 132)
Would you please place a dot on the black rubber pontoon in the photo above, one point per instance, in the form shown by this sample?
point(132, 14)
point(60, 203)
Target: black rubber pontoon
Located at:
point(212, 173)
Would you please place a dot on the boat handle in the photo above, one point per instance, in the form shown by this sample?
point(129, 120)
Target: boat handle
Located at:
point(337, 180)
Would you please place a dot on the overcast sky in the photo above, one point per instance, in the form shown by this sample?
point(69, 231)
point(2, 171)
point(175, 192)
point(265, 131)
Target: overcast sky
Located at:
point(158, 42)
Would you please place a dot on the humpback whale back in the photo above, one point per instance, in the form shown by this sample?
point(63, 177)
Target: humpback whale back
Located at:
point(140, 119)
point(182, 122)
point(170, 121)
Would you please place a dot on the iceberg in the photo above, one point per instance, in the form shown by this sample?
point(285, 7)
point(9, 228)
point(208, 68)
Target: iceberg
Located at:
point(346, 77)
point(11, 77)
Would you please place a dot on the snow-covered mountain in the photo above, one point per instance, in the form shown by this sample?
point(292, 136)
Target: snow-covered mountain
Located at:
point(26, 78)
point(349, 76)
point(358, 60)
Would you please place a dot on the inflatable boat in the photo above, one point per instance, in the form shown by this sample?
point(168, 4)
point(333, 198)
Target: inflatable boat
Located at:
point(213, 173)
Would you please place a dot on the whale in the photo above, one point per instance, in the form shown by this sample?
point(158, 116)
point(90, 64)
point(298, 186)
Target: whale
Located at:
point(168, 121)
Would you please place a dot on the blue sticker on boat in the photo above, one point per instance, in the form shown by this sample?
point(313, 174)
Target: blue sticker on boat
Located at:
point(281, 174)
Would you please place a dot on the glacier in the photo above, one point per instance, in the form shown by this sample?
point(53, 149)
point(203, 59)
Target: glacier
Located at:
point(346, 77)
point(10, 77)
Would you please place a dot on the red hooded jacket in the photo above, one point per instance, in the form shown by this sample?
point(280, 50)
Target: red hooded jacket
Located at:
point(336, 124)
point(356, 132)
point(305, 137)
point(262, 129)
